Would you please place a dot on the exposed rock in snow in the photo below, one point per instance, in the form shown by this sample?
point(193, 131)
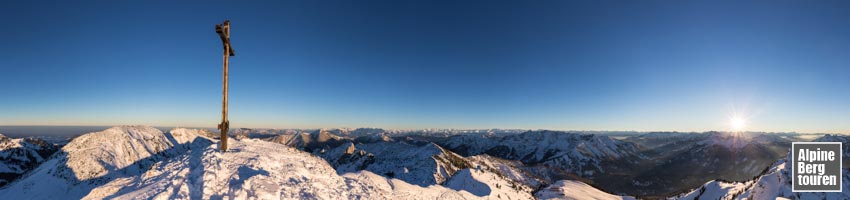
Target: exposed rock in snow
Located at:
point(350, 149)
point(18, 156)
point(282, 139)
point(309, 142)
point(423, 165)
point(512, 170)
point(577, 153)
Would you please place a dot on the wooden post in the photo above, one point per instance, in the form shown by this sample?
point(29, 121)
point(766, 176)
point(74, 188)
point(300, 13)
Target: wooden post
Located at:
point(223, 31)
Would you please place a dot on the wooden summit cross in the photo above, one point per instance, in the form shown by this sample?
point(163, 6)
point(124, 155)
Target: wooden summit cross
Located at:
point(223, 31)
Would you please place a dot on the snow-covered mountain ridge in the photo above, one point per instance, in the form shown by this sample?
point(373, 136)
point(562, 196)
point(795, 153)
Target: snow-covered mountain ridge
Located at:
point(583, 154)
point(137, 162)
point(17, 156)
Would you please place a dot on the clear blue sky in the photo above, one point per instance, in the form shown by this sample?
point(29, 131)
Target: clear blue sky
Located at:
point(570, 65)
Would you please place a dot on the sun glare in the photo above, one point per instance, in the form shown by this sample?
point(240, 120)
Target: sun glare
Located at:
point(737, 123)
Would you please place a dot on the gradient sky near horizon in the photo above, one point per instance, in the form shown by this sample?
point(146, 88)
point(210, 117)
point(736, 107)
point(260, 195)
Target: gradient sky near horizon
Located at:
point(567, 65)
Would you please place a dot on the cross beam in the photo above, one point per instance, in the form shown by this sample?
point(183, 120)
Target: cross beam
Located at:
point(223, 31)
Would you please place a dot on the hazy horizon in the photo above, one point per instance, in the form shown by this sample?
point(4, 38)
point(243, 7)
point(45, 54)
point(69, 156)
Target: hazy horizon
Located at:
point(19, 130)
point(556, 65)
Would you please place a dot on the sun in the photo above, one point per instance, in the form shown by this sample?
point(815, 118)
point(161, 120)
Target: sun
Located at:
point(737, 123)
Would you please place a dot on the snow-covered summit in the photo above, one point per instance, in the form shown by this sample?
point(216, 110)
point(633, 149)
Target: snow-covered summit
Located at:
point(96, 154)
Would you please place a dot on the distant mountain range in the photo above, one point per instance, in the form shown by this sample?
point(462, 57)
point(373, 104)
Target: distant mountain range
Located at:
point(145, 162)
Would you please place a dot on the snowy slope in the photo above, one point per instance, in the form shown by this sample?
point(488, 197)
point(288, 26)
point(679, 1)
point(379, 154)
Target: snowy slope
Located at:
point(93, 159)
point(484, 183)
point(17, 156)
point(774, 184)
point(94, 155)
point(423, 165)
point(716, 190)
point(512, 170)
point(567, 189)
point(428, 165)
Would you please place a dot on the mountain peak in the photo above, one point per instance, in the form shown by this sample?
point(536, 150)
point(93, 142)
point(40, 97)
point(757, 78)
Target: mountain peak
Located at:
point(95, 154)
